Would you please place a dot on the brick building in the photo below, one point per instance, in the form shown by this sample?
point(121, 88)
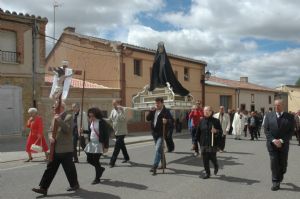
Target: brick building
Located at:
point(123, 66)
point(22, 67)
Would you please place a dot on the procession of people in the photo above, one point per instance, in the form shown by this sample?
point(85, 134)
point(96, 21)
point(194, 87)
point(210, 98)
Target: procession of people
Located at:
point(209, 133)
point(74, 130)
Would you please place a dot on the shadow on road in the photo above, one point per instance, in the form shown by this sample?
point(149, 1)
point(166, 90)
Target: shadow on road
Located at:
point(292, 187)
point(184, 153)
point(238, 153)
point(82, 193)
point(196, 161)
point(116, 183)
point(236, 180)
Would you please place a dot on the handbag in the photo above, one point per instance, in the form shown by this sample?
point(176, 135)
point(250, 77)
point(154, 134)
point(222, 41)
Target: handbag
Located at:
point(35, 147)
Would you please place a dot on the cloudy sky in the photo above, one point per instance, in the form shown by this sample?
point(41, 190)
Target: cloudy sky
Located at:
point(255, 38)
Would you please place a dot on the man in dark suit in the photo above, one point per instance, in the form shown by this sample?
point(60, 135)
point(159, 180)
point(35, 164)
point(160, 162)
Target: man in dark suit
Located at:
point(209, 134)
point(160, 117)
point(279, 127)
point(253, 123)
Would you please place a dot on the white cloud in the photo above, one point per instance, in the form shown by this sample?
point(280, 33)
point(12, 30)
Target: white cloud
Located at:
point(219, 32)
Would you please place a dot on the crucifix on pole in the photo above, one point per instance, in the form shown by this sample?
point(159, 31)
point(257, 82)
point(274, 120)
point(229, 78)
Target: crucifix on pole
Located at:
point(61, 83)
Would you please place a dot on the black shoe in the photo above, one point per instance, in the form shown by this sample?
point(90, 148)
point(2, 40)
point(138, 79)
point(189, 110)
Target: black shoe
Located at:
point(216, 170)
point(76, 187)
point(111, 165)
point(76, 161)
point(206, 176)
point(154, 172)
point(101, 172)
point(28, 160)
point(125, 161)
point(40, 190)
point(96, 181)
point(276, 186)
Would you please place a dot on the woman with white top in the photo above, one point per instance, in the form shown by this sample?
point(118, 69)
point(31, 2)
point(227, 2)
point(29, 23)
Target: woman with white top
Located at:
point(98, 141)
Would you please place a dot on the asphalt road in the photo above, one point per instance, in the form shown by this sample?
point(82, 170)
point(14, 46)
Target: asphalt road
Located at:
point(244, 173)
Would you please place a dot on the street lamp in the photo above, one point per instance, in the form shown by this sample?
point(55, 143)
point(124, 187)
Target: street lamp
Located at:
point(204, 78)
point(238, 97)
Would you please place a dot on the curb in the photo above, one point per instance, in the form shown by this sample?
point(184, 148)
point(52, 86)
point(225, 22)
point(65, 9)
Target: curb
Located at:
point(110, 146)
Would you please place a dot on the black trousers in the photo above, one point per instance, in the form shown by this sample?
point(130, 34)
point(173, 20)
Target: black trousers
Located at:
point(178, 126)
point(279, 161)
point(75, 141)
point(253, 132)
point(194, 139)
point(169, 141)
point(298, 135)
point(66, 159)
point(209, 156)
point(119, 146)
point(222, 143)
point(93, 159)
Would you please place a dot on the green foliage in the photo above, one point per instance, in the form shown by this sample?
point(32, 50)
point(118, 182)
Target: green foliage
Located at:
point(298, 82)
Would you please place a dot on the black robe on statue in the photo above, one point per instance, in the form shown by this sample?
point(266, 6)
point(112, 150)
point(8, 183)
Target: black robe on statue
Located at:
point(162, 73)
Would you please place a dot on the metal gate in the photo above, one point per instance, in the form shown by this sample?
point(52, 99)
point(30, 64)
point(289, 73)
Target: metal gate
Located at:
point(11, 114)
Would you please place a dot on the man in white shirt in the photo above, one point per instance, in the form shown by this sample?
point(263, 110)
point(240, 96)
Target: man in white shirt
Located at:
point(119, 123)
point(225, 123)
point(160, 118)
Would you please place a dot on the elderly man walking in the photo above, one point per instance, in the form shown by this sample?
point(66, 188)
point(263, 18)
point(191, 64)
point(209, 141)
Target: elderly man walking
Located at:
point(279, 128)
point(118, 119)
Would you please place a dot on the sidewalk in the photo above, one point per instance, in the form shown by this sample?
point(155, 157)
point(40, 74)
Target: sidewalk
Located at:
point(12, 148)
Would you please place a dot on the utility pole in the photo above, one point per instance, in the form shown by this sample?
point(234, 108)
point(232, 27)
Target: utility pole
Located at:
point(34, 62)
point(55, 5)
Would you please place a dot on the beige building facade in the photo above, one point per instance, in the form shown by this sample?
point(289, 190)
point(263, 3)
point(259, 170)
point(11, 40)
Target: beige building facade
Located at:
point(239, 94)
point(292, 98)
point(22, 66)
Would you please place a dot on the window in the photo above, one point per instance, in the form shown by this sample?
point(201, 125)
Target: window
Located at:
point(225, 101)
point(8, 46)
point(176, 74)
point(252, 98)
point(270, 99)
point(252, 107)
point(186, 74)
point(243, 107)
point(137, 67)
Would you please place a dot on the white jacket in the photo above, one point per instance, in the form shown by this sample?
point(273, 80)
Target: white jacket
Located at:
point(238, 124)
point(225, 122)
point(119, 123)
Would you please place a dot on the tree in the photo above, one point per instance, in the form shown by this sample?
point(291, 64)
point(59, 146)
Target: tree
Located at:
point(298, 82)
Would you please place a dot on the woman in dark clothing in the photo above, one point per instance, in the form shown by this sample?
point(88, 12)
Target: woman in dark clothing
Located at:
point(99, 141)
point(209, 133)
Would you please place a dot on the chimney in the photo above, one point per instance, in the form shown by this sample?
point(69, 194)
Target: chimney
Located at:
point(69, 29)
point(244, 79)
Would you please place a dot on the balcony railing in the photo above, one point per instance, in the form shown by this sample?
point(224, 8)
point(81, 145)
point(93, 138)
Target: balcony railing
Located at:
point(9, 56)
